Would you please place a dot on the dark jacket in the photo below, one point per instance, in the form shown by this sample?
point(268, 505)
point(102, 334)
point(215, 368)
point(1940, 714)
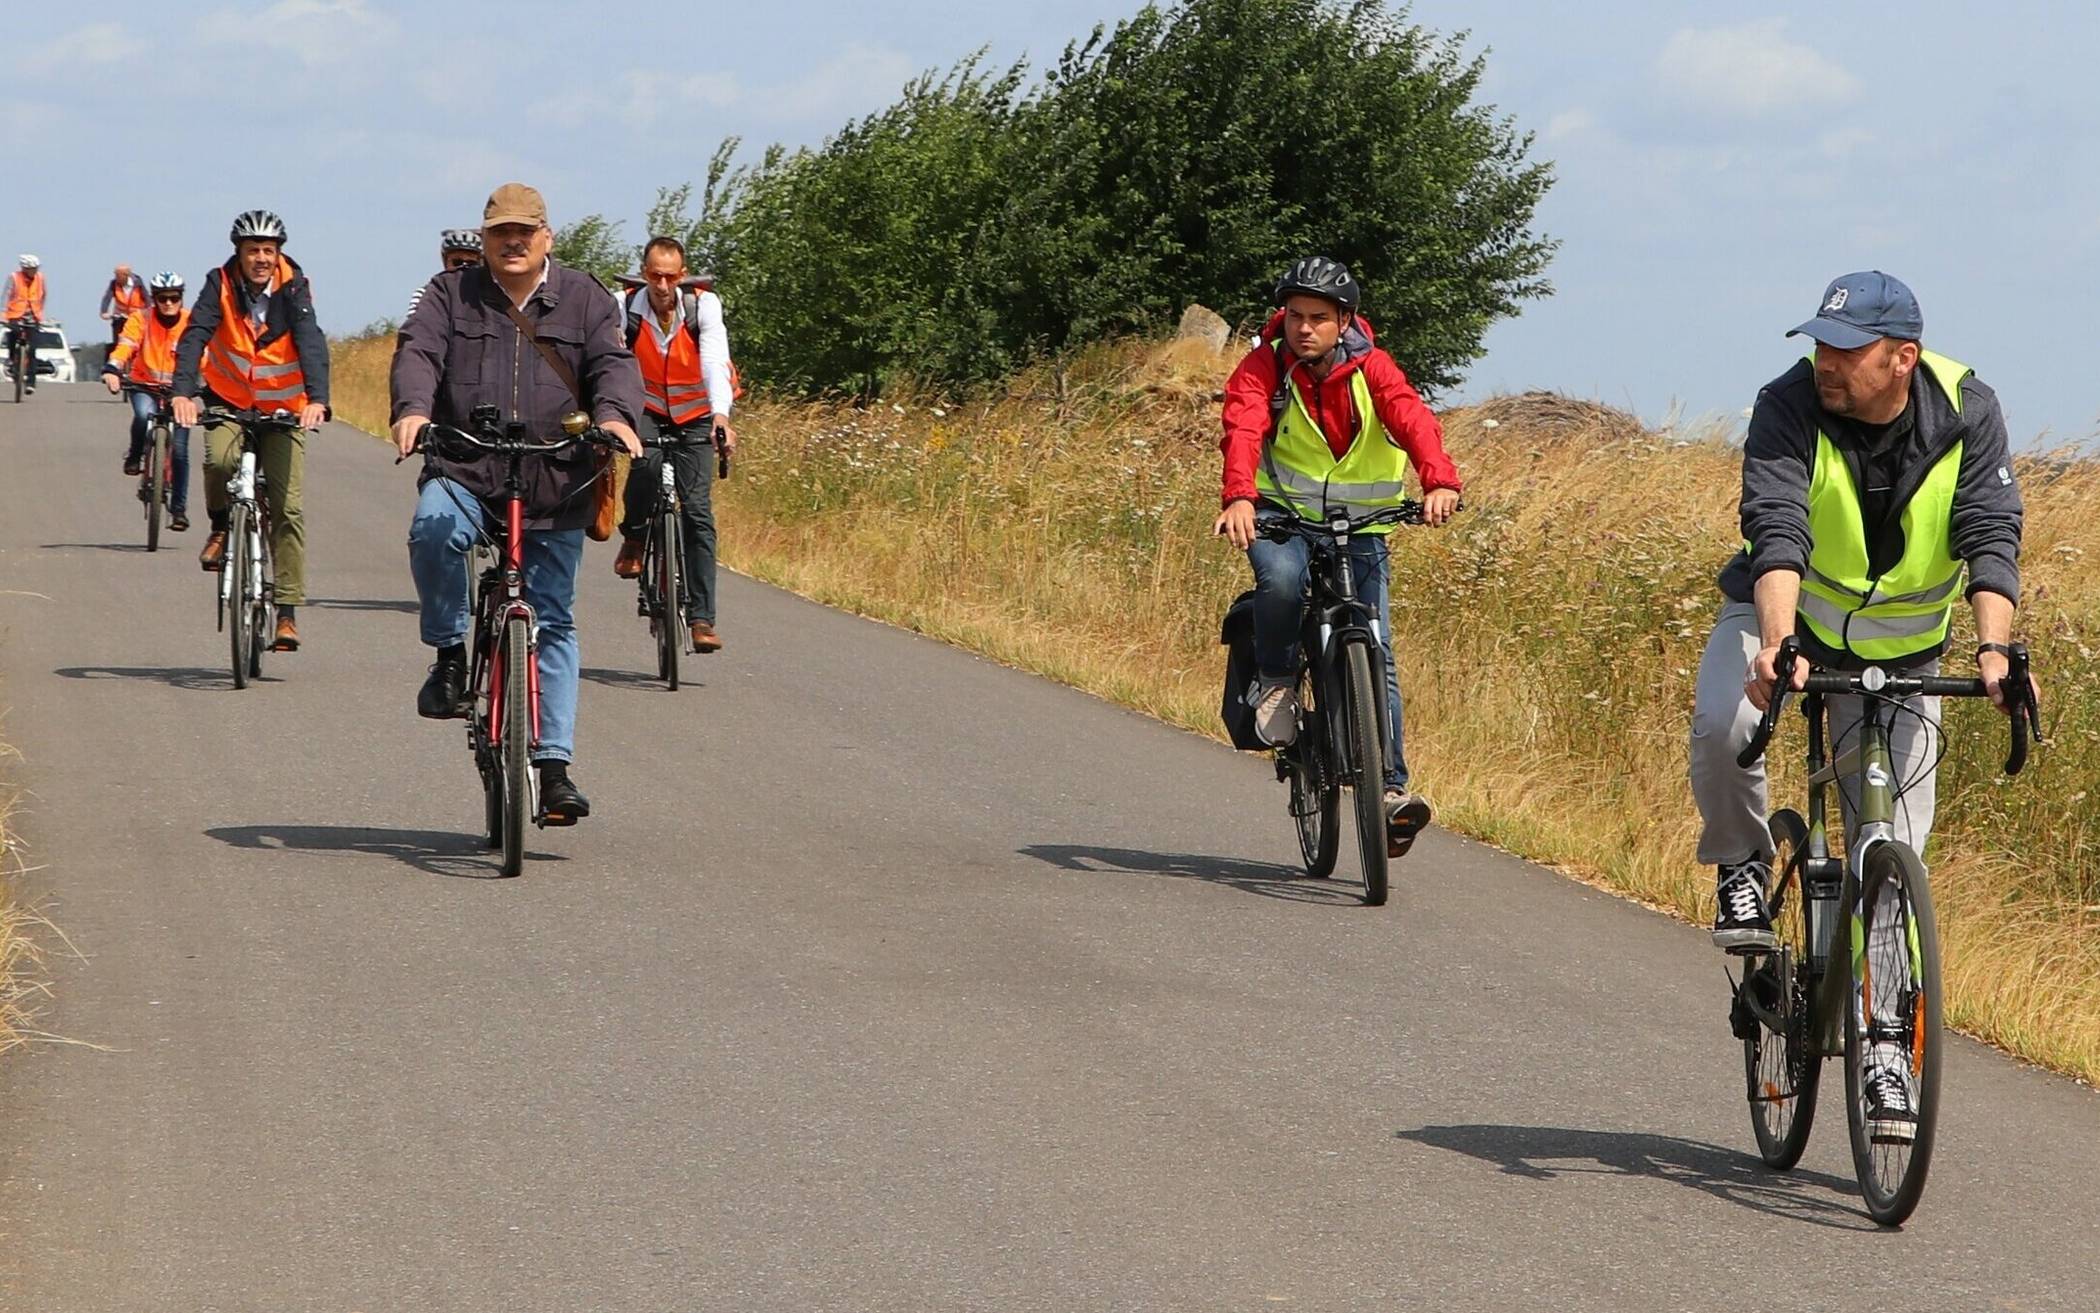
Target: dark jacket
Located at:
point(1779, 456)
point(291, 311)
point(459, 349)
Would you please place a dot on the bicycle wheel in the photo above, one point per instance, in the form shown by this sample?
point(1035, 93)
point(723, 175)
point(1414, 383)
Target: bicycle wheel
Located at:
point(1366, 750)
point(241, 617)
point(18, 372)
point(1900, 967)
point(1780, 1063)
point(156, 484)
point(670, 626)
point(517, 744)
point(1316, 799)
point(262, 590)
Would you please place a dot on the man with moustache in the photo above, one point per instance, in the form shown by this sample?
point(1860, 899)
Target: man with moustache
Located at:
point(1874, 472)
point(463, 348)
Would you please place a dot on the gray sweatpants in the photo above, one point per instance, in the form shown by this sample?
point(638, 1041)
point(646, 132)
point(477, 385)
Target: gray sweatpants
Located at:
point(1732, 802)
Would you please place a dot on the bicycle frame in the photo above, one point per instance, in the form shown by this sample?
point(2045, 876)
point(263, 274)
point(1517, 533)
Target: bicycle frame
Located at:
point(500, 594)
point(1334, 617)
point(245, 488)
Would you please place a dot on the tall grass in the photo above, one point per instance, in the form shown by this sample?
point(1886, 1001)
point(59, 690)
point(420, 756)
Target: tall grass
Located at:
point(1548, 638)
point(19, 959)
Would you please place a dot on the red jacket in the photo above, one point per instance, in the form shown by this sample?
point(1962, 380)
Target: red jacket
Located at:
point(1409, 424)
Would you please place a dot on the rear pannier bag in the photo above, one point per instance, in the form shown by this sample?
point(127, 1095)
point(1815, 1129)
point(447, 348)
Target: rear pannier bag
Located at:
point(1236, 636)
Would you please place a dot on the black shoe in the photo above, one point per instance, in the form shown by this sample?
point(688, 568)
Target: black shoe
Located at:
point(1891, 1119)
point(1741, 922)
point(443, 695)
point(561, 802)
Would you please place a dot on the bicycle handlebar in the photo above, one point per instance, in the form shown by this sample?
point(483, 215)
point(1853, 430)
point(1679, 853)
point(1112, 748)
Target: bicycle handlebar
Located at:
point(1280, 528)
point(247, 419)
point(2018, 686)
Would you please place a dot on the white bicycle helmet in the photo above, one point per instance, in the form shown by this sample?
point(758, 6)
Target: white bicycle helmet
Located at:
point(165, 282)
point(29, 261)
point(459, 239)
point(260, 225)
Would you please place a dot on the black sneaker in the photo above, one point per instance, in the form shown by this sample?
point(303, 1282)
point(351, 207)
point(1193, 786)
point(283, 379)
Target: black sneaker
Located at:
point(443, 695)
point(1891, 1118)
point(1741, 923)
point(561, 802)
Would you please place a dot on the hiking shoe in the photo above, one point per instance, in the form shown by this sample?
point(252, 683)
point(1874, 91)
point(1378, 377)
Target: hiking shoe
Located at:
point(214, 554)
point(628, 564)
point(1406, 816)
point(1891, 1117)
point(178, 523)
point(134, 465)
point(1741, 922)
point(287, 639)
point(1275, 714)
point(444, 695)
point(561, 802)
point(705, 640)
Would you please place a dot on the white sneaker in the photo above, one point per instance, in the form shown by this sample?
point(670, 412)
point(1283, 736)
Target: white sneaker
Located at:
point(1275, 714)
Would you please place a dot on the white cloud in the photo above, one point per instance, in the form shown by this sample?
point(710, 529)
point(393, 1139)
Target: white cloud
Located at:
point(1569, 123)
point(314, 32)
point(1752, 70)
point(93, 46)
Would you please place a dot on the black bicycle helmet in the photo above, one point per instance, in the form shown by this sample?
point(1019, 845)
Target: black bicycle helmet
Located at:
point(260, 225)
point(460, 239)
point(1316, 275)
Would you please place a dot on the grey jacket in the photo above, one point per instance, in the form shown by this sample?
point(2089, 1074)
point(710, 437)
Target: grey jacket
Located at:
point(459, 349)
point(1779, 456)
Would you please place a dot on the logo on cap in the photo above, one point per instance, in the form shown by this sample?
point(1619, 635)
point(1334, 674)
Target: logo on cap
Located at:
point(1837, 300)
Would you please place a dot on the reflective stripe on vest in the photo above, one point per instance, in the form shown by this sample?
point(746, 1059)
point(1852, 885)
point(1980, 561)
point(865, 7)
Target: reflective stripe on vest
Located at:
point(152, 345)
point(1299, 470)
point(1908, 609)
point(672, 385)
point(242, 374)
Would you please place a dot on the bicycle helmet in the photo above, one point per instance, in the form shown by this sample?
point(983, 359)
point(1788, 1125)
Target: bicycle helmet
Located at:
point(1316, 275)
point(29, 261)
point(261, 225)
point(165, 282)
point(459, 239)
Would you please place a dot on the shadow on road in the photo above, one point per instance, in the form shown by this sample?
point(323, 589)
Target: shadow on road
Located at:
point(362, 604)
point(634, 678)
point(184, 677)
point(1268, 879)
point(434, 852)
point(93, 547)
point(1543, 1153)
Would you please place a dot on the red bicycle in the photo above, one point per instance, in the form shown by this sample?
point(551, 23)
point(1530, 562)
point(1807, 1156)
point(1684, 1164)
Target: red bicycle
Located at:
point(503, 680)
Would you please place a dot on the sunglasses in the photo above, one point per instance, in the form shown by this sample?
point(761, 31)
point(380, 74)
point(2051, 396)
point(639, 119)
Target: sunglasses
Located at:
point(170, 298)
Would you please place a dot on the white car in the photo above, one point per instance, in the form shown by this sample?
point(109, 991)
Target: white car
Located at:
point(55, 353)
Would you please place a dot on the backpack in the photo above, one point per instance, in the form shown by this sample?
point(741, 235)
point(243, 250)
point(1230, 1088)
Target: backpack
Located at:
point(1236, 636)
point(691, 298)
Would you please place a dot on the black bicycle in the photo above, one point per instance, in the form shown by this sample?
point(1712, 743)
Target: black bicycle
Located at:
point(21, 354)
point(663, 581)
point(1344, 725)
point(1795, 1006)
point(159, 471)
point(248, 571)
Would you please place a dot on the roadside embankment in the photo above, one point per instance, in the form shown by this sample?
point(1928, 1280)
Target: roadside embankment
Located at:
point(1547, 639)
point(19, 985)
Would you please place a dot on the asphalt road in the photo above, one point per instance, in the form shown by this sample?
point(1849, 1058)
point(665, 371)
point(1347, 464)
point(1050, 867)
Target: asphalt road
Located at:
point(883, 978)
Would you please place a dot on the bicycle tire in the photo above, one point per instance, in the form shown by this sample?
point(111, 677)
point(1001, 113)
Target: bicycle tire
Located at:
point(156, 484)
point(1367, 757)
point(18, 376)
point(262, 605)
point(517, 743)
point(1316, 798)
point(235, 565)
point(1781, 1068)
point(670, 628)
point(1892, 1174)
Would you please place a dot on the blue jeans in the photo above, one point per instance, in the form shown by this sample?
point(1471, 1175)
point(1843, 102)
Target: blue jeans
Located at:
point(449, 521)
point(144, 406)
point(1280, 571)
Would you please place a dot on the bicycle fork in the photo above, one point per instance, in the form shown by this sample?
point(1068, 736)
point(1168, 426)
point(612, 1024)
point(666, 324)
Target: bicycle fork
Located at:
point(241, 488)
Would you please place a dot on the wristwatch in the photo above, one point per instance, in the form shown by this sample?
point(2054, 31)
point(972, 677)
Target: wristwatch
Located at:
point(2000, 648)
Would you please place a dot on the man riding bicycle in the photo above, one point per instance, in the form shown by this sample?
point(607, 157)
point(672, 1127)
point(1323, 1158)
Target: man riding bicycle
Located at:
point(682, 349)
point(124, 297)
point(1319, 418)
point(25, 304)
point(253, 344)
point(1874, 472)
point(457, 248)
point(468, 345)
point(145, 357)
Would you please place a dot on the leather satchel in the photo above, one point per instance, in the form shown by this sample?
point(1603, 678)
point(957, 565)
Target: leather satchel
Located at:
point(606, 511)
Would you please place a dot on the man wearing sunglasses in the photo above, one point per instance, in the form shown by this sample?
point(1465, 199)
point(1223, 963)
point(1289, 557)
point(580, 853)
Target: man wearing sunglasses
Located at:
point(458, 248)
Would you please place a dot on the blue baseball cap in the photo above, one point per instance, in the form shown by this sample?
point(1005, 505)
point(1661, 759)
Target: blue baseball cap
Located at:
point(1863, 307)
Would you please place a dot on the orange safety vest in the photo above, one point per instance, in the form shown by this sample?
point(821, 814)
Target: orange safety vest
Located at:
point(148, 346)
point(671, 381)
point(128, 297)
point(25, 296)
point(242, 374)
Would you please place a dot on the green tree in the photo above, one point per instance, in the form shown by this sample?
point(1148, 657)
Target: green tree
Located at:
point(593, 245)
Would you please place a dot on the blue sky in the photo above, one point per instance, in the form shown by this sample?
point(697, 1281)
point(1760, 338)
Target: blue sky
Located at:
point(1717, 166)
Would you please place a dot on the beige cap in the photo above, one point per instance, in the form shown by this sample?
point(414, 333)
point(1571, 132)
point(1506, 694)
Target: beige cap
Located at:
point(514, 202)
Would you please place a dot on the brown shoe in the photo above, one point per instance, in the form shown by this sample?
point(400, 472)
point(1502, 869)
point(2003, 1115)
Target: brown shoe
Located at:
point(704, 637)
point(214, 554)
point(628, 565)
point(287, 635)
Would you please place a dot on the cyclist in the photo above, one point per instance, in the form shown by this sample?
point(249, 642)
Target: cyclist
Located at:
point(25, 307)
point(1874, 470)
point(145, 354)
point(461, 349)
point(1319, 417)
point(124, 296)
point(253, 344)
point(682, 348)
point(457, 248)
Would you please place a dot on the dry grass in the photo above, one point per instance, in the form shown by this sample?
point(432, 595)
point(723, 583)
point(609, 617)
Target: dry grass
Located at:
point(20, 986)
point(1547, 640)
